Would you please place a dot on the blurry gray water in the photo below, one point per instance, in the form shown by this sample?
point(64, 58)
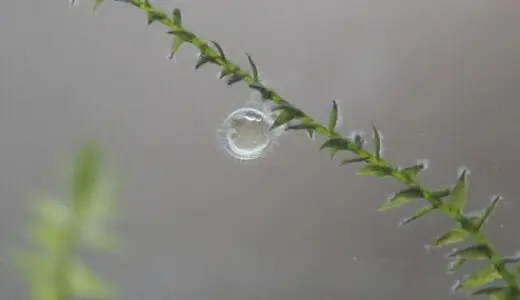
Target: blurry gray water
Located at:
point(440, 78)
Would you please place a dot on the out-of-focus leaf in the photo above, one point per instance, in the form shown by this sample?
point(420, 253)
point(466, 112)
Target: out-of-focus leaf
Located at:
point(453, 236)
point(497, 293)
point(414, 170)
point(97, 4)
point(479, 278)
point(376, 170)
point(459, 195)
point(85, 174)
point(456, 264)
point(401, 198)
point(86, 284)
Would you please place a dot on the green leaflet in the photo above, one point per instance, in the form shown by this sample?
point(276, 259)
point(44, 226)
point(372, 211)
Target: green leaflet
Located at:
point(86, 284)
point(203, 59)
point(459, 194)
point(254, 69)
point(309, 127)
point(451, 237)
point(401, 198)
point(418, 214)
point(154, 15)
point(351, 160)
point(85, 174)
point(177, 17)
point(219, 49)
point(333, 118)
point(288, 113)
point(177, 42)
point(377, 141)
point(414, 170)
point(265, 92)
point(488, 211)
point(456, 264)
point(376, 170)
point(479, 278)
point(475, 252)
point(235, 78)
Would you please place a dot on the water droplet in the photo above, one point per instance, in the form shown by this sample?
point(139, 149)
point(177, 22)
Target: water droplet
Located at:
point(246, 133)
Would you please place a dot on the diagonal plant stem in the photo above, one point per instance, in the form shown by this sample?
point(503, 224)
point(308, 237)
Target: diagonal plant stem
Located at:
point(213, 56)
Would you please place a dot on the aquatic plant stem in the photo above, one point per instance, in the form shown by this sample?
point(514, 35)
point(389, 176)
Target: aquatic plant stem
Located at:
point(496, 259)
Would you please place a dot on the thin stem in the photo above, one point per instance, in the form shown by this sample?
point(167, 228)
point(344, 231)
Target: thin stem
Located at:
point(495, 257)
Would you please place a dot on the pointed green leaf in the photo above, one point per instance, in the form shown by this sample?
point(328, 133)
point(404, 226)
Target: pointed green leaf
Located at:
point(459, 194)
point(219, 49)
point(333, 119)
point(185, 35)
point(177, 42)
point(235, 78)
point(84, 283)
point(203, 59)
point(266, 93)
point(418, 214)
point(153, 15)
point(401, 198)
point(337, 144)
point(377, 141)
point(488, 211)
point(456, 264)
point(479, 278)
point(224, 72)
point(475, 252)
point(414, 170)
point(376, 170)
point(97, 3)
point(351, 160)
point(177, 17)
point(451, 237)
point(497, 293)
point(254, 69)
point(441, 193)
point(309, 127)
point(283, 118)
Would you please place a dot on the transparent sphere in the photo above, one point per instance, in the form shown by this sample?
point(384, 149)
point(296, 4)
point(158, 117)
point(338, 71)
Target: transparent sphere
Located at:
point(246, 133)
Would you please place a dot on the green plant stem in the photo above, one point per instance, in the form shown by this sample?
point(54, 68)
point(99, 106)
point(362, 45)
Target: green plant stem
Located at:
point(495, 257)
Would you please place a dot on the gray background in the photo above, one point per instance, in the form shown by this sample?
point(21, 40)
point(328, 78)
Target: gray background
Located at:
point(440, 78)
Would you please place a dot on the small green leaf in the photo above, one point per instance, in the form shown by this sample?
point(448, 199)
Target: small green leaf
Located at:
point(414, 170)
point(441, 193)
point(497, 293)
point(309, 127)
point(337, 144)
point(358, 140)
point(97, 4)
point(235, 78)
point(265, 92)
point(456, 264)
point(475, 252)
point(479, 278)
point(254, 69)
point(459, 194)
point(219, 49)
point(488, 211)
point(377, 141)
point(451, 237)
point(224, 72)
point(418, 214)
point(177, 42)
point(154, 15)
point(203, 59)
point(351, 160)
point(376, 170)
point(177, 17)
point(185, 35)
point(401, 198)
point(283, 118)
point(333, 119)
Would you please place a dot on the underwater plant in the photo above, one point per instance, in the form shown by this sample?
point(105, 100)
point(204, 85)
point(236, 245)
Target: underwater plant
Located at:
point(247, 133)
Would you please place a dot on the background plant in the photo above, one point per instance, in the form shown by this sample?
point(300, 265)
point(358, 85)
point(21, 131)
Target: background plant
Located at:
point(497, 280)
point(52, 266)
